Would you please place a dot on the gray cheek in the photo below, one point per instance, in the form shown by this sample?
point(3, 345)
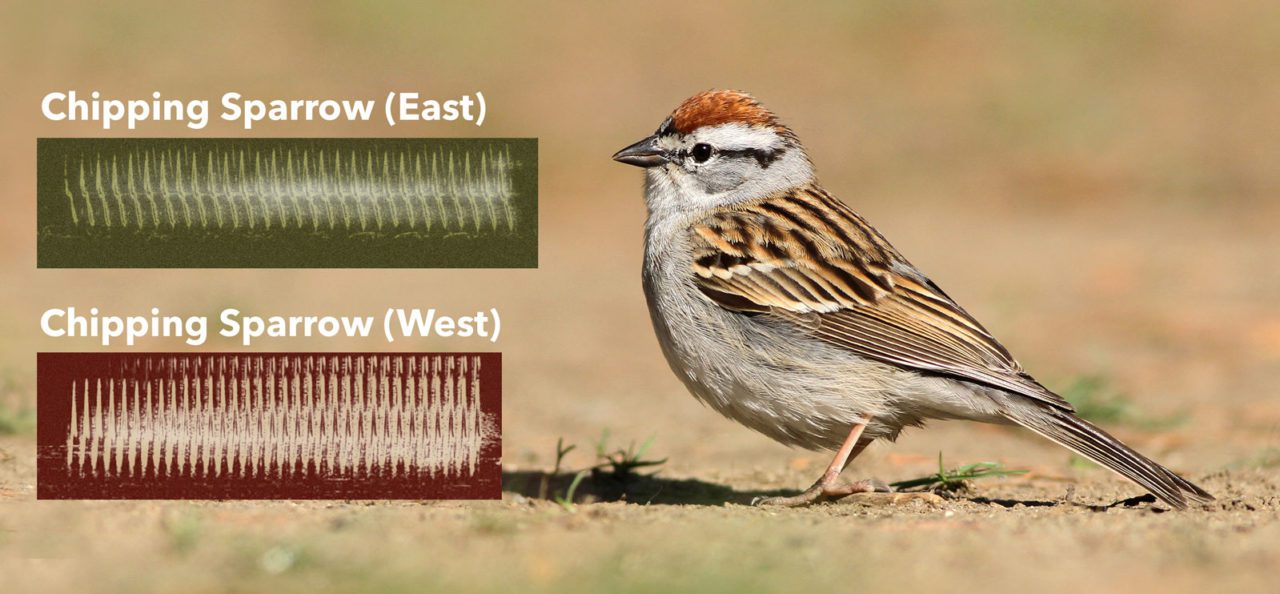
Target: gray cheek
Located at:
point(722, 176)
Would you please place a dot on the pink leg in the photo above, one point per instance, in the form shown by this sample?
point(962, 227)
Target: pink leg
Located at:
point(828, 486)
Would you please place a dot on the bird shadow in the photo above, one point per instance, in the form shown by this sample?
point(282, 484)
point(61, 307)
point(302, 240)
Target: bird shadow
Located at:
point(605, 486)
point(599, 485)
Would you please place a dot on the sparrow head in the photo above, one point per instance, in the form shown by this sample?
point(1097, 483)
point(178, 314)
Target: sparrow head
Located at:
point(718, 148)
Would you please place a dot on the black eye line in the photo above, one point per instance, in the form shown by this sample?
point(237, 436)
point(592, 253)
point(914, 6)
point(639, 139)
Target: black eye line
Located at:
point(764, 157)
point(747, 152)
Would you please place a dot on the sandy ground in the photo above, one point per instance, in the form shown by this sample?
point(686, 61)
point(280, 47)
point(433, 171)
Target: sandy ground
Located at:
point(1052, 533)
point(1201, 393)
point(1096, 185)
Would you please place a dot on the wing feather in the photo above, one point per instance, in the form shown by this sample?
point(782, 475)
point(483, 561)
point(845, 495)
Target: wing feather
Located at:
point(805, 258)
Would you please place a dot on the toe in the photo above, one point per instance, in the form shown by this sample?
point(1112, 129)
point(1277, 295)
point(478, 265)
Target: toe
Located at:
point(879, 486)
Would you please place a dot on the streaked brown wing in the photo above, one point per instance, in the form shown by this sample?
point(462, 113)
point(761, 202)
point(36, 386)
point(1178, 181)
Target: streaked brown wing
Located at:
point(806, 258)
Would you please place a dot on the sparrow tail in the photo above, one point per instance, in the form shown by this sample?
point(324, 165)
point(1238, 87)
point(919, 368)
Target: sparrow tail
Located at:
point(1082, 437)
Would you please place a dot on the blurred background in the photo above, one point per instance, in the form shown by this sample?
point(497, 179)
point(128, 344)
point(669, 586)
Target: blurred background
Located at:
point(1095, 181)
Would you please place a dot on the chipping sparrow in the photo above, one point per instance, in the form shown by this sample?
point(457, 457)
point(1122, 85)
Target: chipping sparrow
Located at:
point(782, 309)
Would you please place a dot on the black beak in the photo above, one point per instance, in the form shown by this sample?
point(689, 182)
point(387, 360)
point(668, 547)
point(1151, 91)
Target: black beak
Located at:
point(645, 153)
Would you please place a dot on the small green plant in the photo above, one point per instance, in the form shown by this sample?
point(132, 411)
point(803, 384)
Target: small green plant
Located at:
point(1095, 401)
point(622, 463)
point(613, 465)
point(567, 501)
point(953, 480)
point(561, 451)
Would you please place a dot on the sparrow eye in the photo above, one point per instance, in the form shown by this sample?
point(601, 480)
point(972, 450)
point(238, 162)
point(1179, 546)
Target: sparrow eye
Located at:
point(701, 152)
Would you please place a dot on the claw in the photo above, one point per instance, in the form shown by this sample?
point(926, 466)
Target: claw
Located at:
point(820, 492)
point(879, 486)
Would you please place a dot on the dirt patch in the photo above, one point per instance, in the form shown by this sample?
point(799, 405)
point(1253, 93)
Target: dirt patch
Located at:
point(1095, 183)
point(654, 533)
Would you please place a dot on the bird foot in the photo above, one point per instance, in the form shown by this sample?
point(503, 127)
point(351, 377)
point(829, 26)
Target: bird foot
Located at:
point(821, 491)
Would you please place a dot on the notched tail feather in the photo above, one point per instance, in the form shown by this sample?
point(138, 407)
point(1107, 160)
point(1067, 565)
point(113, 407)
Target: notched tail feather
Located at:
point(1093, 443)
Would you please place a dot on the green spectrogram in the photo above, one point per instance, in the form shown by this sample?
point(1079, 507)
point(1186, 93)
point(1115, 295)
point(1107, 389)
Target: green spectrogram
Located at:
point(287, 203)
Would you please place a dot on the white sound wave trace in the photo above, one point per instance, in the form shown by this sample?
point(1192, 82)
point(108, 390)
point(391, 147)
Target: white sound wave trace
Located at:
point(280, 416)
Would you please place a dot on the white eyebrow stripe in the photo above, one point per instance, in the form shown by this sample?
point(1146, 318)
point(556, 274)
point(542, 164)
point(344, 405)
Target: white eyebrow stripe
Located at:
point(737, 136)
